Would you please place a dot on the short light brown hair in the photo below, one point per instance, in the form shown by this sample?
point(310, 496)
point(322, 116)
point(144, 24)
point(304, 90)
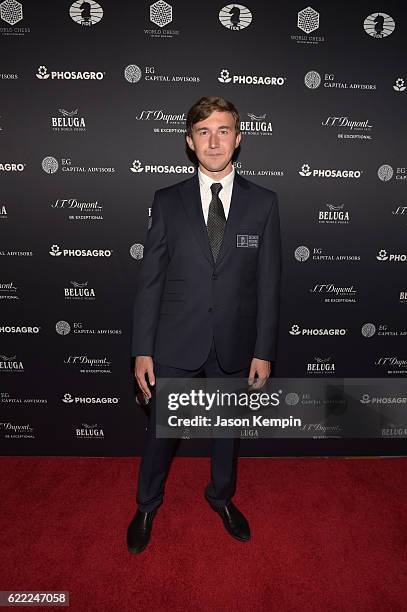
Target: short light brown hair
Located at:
point(206, 106)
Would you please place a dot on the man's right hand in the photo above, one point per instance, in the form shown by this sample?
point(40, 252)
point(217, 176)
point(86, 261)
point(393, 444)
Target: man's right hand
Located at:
point(143, 366)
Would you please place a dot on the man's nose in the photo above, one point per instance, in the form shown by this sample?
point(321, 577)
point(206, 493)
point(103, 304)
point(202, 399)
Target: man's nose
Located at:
point(213, 141)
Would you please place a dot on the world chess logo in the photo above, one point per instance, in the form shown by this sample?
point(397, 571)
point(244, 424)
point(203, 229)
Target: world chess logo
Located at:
point(385, 172)
point(132, 73)
point(308, 20)
point(235, 16)
point(312, 79)
point(161, 13)
point(11, 11)
point(86, 13)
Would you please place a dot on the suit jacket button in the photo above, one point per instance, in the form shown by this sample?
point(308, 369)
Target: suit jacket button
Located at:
point(210, 309)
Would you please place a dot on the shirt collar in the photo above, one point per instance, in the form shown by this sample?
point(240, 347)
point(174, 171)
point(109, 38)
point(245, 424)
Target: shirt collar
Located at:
point(206, 181)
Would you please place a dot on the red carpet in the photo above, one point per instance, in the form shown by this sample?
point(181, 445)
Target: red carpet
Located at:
point(327, 535)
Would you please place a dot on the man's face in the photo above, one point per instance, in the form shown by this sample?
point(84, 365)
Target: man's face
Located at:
point(214, 140)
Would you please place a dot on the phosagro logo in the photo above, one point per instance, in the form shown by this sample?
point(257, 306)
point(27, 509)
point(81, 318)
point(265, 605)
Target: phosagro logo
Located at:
point(322, 173)
point(366, 399)
point(382, 255)
point(240, 79)
point(297, 331)
point(20, 329)
point(55, 251)
point(11, 167)
point(160, 168)
point(68, 399)
point(399, 85)
point(87, 75)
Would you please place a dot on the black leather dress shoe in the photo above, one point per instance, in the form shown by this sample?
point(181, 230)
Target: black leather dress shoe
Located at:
point(234, 521)
point(139, 531)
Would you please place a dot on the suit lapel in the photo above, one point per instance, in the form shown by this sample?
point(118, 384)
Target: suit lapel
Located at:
point(191, 199)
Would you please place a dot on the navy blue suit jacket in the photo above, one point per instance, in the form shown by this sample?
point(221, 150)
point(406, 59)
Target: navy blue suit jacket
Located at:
point(184, 299)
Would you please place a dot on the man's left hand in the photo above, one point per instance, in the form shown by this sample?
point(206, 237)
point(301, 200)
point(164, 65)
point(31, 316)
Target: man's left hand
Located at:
point(262, 368)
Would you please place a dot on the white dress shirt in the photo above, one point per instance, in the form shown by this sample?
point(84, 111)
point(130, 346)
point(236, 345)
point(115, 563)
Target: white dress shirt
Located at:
point(225, 193)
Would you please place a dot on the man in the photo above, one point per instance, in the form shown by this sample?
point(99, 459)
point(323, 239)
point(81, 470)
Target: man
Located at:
point(207, 300)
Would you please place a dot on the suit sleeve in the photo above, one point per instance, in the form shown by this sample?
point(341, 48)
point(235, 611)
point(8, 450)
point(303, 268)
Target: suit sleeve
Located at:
point(150, 284)
point(268, 286)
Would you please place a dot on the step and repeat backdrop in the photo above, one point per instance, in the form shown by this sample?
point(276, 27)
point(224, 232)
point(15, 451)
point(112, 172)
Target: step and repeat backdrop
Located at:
point(93, 104)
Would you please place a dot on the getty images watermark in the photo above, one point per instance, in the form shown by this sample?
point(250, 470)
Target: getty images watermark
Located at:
point(222, 399)
point(218, 408)
point(281, 408)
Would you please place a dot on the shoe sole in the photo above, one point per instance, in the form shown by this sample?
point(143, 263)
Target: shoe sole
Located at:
point(136, 551)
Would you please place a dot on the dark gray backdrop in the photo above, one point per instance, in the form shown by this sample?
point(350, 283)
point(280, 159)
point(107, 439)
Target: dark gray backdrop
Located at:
point(45, 397)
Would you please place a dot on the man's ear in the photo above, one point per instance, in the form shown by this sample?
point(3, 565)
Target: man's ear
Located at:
point(190, 143)
point(238, 139)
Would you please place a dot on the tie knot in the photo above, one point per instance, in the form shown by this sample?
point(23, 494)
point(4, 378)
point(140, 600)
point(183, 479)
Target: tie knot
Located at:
point(215, 188)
